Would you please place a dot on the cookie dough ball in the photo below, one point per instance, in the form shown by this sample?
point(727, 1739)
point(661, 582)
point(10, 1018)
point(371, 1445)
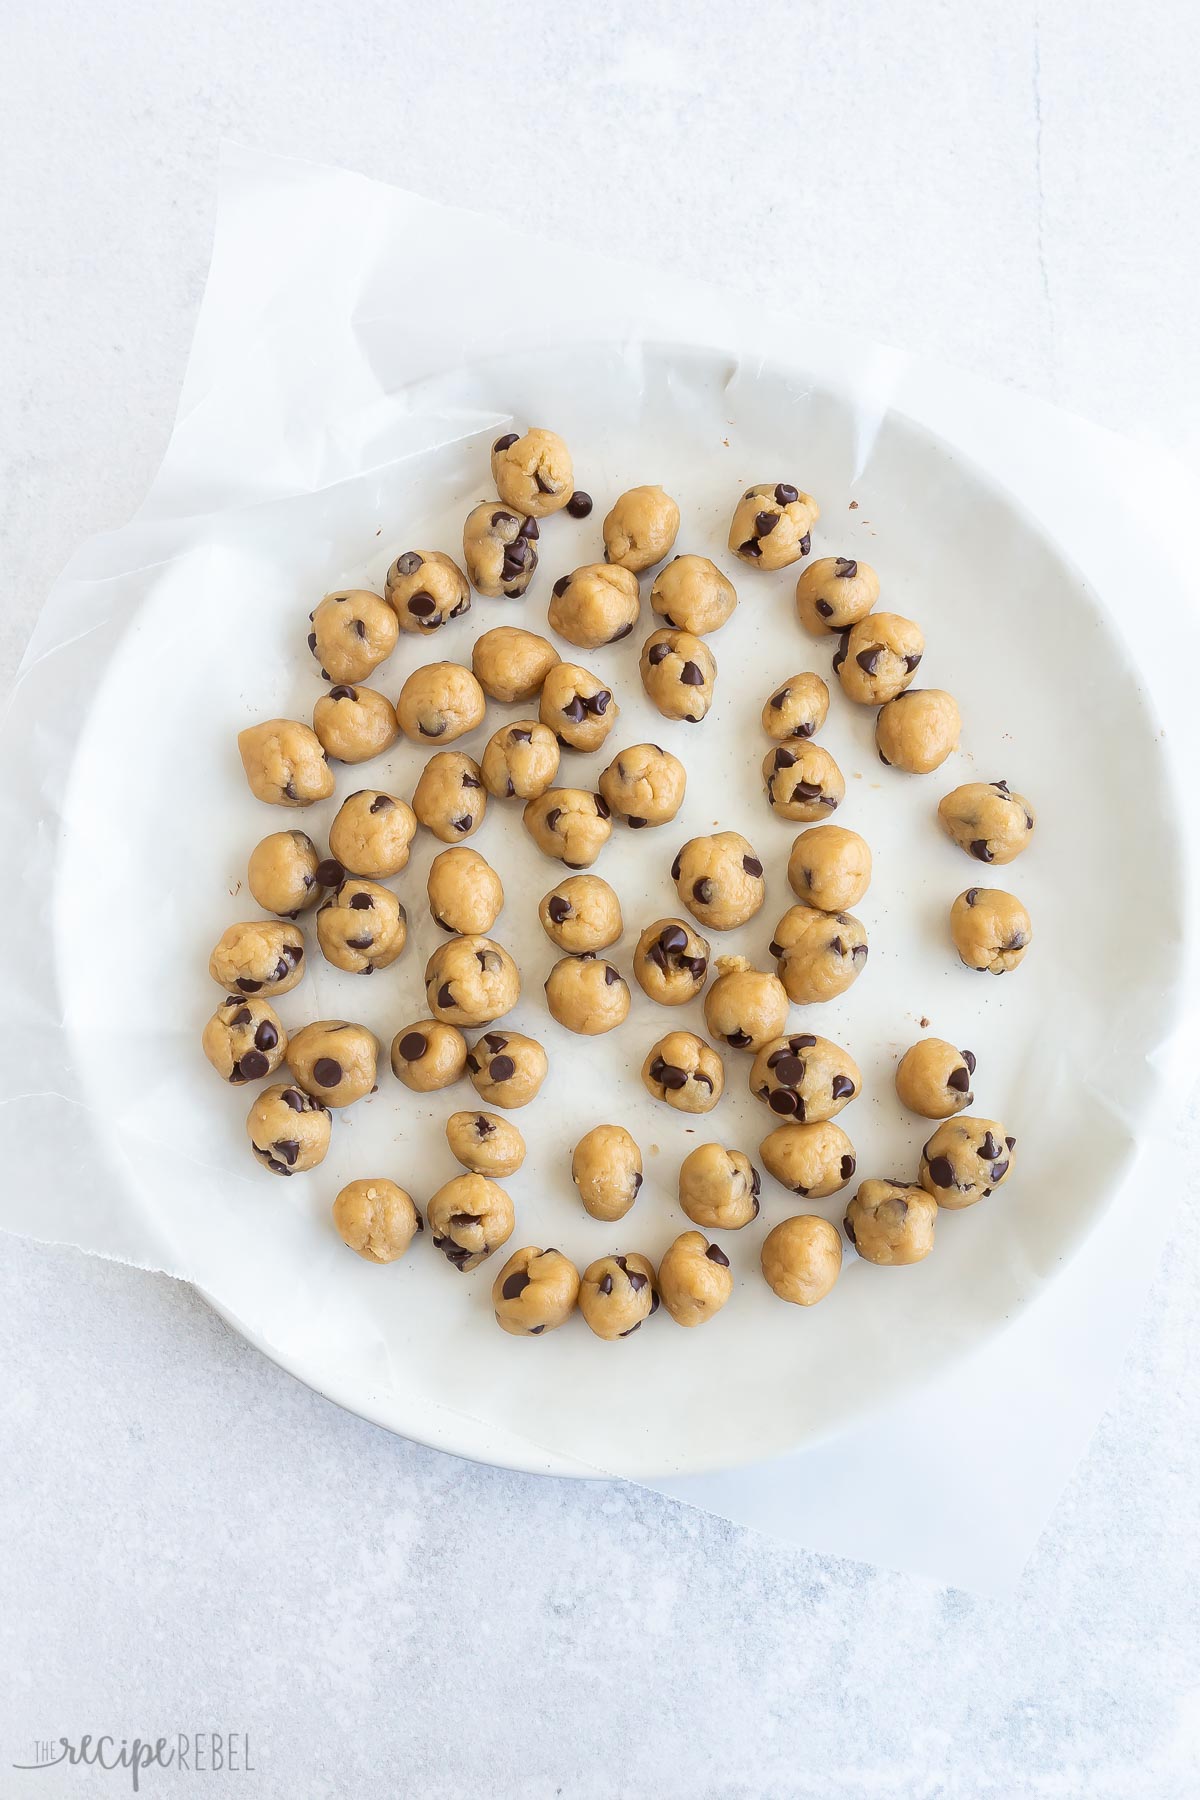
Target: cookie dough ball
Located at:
point(685, 1072)
point(678, 673)
point(355, 723)
point(772, 525)
point(450, 798)
point(834, 593)
point(352, 633)
point(801, 1259)
point(691, 594)
point(424, 588)
point(259, 957)
point(644, 785)
point(812, 1160)
point(507, 1068)
point(485, 1143)
point(917, 730)
point(830, 868)
point(805, 1077)
point(797, 709)
point(640, 529)
point(288, 1129)
point(469, 1218)
point(596, 605)
point(282, 874)
point(465, 892)
point(718, 1188)
point(991, 929)
point(987, 821)
point(877, 658)
point(511, 665)
point(428, 1055)
point(720, 880)
point(819, 954)
point(745, 1007)
point(934, 1079)
point(587, 994)
point(372, 834)
point(581, 913)
point(376, 1219)
point(804, 783)
point(694, 1279)
point(891, 1222)
point(500, 550)
point(616, 1294)
point(244, 1040)
point(570, 824)
point(535, 1291)
point(533, 473)
point(670, 963)
point(965, 1159)
point(440, 700)
point(361, 927)
point(521, 760)
point(471, 981)
point(284, 763)
point(577, 707)
point(334, 1061)
point(606, 1167)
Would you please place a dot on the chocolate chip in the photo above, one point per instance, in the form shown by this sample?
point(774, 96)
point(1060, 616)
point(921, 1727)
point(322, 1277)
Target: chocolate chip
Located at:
point(673, 938)
point(618, 635)
point(247, 986)
point(959, 1080)
point(432, 731)
point(515, 1284)
point(657, 653)
point(561, 585)
point(414, 1044)
point(501, 1068)
point(774, 949)
point(381, 803)
point(637, 1280)
point(634, 824)
point(359, 943)
point(841, 1087)
point(868, 660)
point(597, 704)
point(574, 709)
point(330, 873)
point(691, 675)
point(752, 866)
point(837, 946)
point(288, 1149)
point(558, 908)
point(544, 486)
point(343, 693)
point(845, 567)
point(505, 442)
point(464, 822)
point(672, 1078)
point(784, 1100)
point(470, 781)
point(910, 663)
point(604, 1285)
point(755, 1182)
point(848, 1228)
point(715, 1254)
point(806, 790)
point(778, 699)
point(580, 504)
point(293, 1098)
point(824, 608)
point(765, 523)
point(611, 975)
point(422, 606)
point(738, 1040)
point(999, 1170)
point(408, 563)
point(702, 890)
point(505, 518)
point(989, 1148)
point(806, 543)
point(360, 902)
point(785, 493)
point(243, 1015)
point(788, 1070)
point(603, 809)
point(552, 817)
point(802, 1041)
point(252, 1065)
point(968, 1057)
point(327, 1071)
point(529, 529)
point(445, 997)
point(972, 895)
point(312, 642)
point(675, 867)
point(848, 1167)
point(941, 1172)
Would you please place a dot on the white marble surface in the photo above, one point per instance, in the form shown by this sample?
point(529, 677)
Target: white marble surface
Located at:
point(193, 1540)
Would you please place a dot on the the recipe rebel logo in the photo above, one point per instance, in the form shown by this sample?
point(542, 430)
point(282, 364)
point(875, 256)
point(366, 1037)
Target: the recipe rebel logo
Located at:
point(192, 1752)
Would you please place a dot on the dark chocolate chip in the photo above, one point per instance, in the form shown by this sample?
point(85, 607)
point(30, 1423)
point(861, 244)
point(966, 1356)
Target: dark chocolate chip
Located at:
point(783, 1100)
point(806, 543)
point(752, 866)
point(765, 523)
point(738, 1040)
point(343, 693)
point(841, 1087)
point(381, 803)
point(552, 817)
point(505, 442)
point(293, 1098)
point(941, 1172)
point(330, 873)
point(1011, 1142)
point(691, 675)
point(252, 1065)
point(972, 895)
point(464, 822)
point(413, 1045)
point(959, 1080)
point(788, 1070)
point(785, 493)
point(611, 975)
point(868, 660)
point(515, 1284)
point(561, 585)
point(637, 1280)
point(327, 1071)
point(558, 908)
point(247, 985)
point(359, 943)
point(702, 890)
point(580, 504)
point(848, 1167)
point(505, 518)
point(603, 809)
point(445, 997)
point(675, 867)
point(672, 1078)
point(968, 1057)
point(575, 709)
point(657, 653)
point(910, 663)
point(361, 902)
point(544, 486)
point(501, 1068)
point(845, 567)
point(597, 704)
point(715, 1254)
point(673, 938)
point(778, 699)
point(751, 547)
point(824, 608)
point(604, 1285)
point(288, 1149)
point(312, 642)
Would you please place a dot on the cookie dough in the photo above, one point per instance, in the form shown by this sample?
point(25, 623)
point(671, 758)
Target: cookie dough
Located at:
point(830, 868)
point(644, 785)
point(465, 892)
point(471, 981)
point(510, 664)
point(670, 963)
point(535, 1291)
point(718, 1188)
point(678, 672)
point(469, 1218)
point(934, 1079)
point(507, 1068)
point(361, 927)
point(500, 550)
point(577, 707)
point(334, 1061)
point(834, 593)
point(685, 1072)
point(991, 929)
point(587, 994)
point(811, 1160)
point(259, 957)
point(640, 528)
point(372, 834)
point(805, 1077)
point(819, 954)
point(450, 798)
point(918, 730)
point(802, 783)
point(485, 1143)
point(801, 1259)
point(745, 1007)
point(691, 594)
point(244, 1040)
point(581, 913)
point(720, 880)
point(694, 1279)
point(428, 1055)
point(282, 874)
point(570, 824)
point(616, 1294)
point(376, 1219)
point(533, 473)
point(355, 723)
point(797, 708)
point(424, 588)
point(986, 820)
point(288, 1129)
point(772, 525)
point(965, 1159)
point(877, 658)
point(606, 1167)
point(891, 1222)
point(352, 633)
point(521, 760)
point(595, 605)
point(284, 763)
point(440, 700)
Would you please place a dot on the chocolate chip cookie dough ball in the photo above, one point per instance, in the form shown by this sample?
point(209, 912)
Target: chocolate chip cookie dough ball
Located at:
point(424, 588)
point(745, 1007)
point(640, 528)
point(801, 1259)
point(469, 1218)
point(830, 868)
point(533, 473)
point(259, 957)
point(877, 658)
point(376, 1219)
point(891, 1222)
point(834, 593)
point(510, 664)
point(288, 1130)
point(772, 525)
point(587, 994)
point(361, 927)
point(507, 1068)
point(244, 1040)
point(678, 673)
point(450, 798)
point(577, 707)
point(991, 929)
point(521, 760)
point(581, 913)
point(718, 1188)
point(334, 1061)
point(934, 1079)
point(372, 835)
point(720, 880)
point(691, 594)
point(485, 1143)
point(802, 783)
point(282, 874)
point(440, 700)
point(465, 892)
point(594, 606)
point(428, 1055)
point(570, 824)
point(805, 1077)
point(352, 633)
point(471, 981)
point(670, 963)
point(987, 821)
point(644, 785)
point(685, 1072)
point(535, 1291)
point(284, 763)
point(965, 1159)
point(500, 550)
point(918, 730)
point(616, 1294)
point(694, 1279)
point(819, 954)
point(812, 1160)
point(355, 723)
point(797, 708)
point(606, 1167)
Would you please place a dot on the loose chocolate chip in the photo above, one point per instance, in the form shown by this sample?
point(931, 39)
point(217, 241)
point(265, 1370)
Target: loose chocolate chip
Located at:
point(445, 997)
point(785, 493)
point(841, 1087)
point(580, 504)
point(422, 606)
point(941, 1172)
point(824, 608)
point(765, 523)
point(501, 1068)
point(959, 1080)
point(752, 866)
point(505, 443)
point(413, 1045)
point(715, 1254)
point(327, 1071)
point(1011, 1142)
point(702, 890)
point(515, 1284)
point(361, 902)
point(691, 675)
point(330, 873)
point(252, 1065)
point(381, 803)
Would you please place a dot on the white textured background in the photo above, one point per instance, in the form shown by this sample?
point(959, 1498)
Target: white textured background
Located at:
point(187, 1538)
